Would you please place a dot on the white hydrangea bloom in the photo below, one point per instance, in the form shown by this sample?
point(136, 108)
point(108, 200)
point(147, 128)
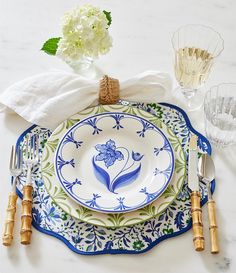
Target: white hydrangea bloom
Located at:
point(85, 33)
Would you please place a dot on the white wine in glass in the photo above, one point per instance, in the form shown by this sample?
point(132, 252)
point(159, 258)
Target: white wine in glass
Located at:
point(192, 67)
point(195, 49)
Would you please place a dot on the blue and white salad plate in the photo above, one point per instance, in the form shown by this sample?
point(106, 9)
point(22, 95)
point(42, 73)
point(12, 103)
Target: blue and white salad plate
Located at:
point(114, 162)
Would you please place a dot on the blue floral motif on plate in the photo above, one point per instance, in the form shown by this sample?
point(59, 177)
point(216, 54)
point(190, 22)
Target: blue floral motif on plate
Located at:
point(117, 150)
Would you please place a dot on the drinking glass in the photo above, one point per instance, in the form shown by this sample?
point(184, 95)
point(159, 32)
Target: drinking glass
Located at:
point(196, 47)
point(220, 114)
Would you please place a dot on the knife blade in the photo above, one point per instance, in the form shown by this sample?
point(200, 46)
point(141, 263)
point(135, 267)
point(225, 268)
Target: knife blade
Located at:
point(193, 184)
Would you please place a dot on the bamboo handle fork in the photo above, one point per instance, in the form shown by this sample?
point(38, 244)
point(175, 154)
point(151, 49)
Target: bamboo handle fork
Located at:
point(15, 170)
point(31, 157)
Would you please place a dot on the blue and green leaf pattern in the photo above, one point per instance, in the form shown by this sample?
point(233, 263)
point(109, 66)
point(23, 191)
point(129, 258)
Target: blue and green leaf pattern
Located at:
point(84, 238)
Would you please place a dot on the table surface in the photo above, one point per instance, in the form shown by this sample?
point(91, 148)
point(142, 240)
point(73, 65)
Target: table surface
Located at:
point(141, 31)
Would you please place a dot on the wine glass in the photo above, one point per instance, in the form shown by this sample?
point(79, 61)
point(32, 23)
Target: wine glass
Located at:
point(196, 47)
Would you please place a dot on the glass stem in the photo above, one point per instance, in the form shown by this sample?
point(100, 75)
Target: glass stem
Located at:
point(189, 93)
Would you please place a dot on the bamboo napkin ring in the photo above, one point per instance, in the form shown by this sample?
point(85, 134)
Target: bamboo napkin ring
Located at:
point(109, 91)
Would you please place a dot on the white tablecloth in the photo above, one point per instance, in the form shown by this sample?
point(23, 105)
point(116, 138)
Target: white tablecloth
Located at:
point(141, 31)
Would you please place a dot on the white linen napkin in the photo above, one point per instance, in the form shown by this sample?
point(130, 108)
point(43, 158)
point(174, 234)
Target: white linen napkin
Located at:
point(49, 98)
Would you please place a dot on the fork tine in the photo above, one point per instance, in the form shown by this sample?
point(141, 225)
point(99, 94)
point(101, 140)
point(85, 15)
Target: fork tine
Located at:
point(19, 159)
point(11, 158)
point(28, 146)
point(14, 158)
point(37, 147)
point(33, 147)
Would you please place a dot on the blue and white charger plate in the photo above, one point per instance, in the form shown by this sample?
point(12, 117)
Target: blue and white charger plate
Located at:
point(88, 239)
point(109, 161)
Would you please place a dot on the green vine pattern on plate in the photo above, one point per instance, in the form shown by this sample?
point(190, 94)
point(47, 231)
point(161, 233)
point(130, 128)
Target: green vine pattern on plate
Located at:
point(85, 238)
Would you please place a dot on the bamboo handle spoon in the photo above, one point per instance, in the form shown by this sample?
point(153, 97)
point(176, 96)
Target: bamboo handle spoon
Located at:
point(206, 172)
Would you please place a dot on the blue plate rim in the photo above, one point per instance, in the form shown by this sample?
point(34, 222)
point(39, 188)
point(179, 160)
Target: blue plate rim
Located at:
point(60, 144)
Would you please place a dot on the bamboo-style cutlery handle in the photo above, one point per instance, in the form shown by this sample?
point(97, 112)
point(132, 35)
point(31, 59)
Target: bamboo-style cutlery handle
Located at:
point(213, 226)
point(10, 220)
point(26, 217)
point(198, 237)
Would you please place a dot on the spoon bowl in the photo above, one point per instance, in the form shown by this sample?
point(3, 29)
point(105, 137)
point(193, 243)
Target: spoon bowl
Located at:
point(206, 168)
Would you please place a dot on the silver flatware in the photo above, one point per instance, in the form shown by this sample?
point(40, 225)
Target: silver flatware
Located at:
point(15, 171)
point(193, 184)
point(206, 172)
point(31, 158)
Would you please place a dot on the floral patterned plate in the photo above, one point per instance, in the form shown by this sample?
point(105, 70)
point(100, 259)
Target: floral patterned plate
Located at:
point(114, 162)
point(87, 239)
point(71, 207)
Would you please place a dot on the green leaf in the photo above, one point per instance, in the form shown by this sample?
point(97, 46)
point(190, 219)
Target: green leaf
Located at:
point(48, 169)
point(108, 16)
point(71, 122)
point(51, 45)
point(116, 219)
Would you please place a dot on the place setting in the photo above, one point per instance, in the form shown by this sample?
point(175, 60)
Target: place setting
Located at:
point(109, 166)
